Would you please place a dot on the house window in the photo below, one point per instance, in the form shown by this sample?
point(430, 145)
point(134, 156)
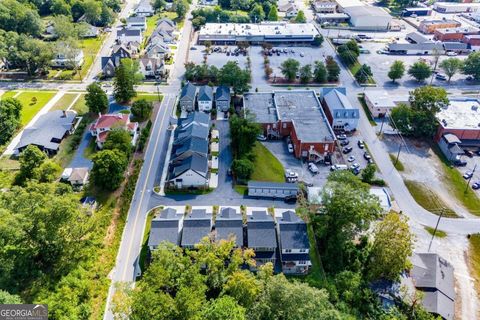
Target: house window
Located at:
point(284, 125)
point(302, 262)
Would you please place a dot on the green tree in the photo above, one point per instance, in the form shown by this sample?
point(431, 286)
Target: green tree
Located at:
point(48, 171)
point(243, 168)
point(96, 99)
point(273, 13)
point(159, 5)
point(119, 139)
point(420, 70)
point(363, 74)
point(244, 287)
point(29, 54)
point(124, 82)
point(223, 308)
point(429, 99)
point(306, 73)
point(333, 69)
point(108, 169)
point(198, 22)
point(20, 17)
point(400, 118)
point(92, 10)
point(352, 45)
point(10, 109)
point(397, 70)
point(368, 174)
point(257, 14)
point(300, 18)
point(64, 27)
point(289, 69)
point(471, 65)
point(318, 40)
point(392, 247)
point(320, 72)
point(451, 66)
point(232, 75)
point(106, 16)
point(346, 55)
point(142, 109)
point(30, 159)
point(243, 134)
point(7, 298)
point(180, 7)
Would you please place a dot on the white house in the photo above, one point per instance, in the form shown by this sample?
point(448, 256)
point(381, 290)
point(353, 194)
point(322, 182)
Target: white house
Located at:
point(205, 98)
point(190, 172)
point(151, 67)
point(129, 35)
point(137, 22)
point(68, 60)
point(107, 122)
point(144, 9)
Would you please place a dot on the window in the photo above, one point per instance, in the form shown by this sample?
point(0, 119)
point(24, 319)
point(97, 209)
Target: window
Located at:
point(302, 262)
point(284, 125)
point(303, 250)
point(288, 250)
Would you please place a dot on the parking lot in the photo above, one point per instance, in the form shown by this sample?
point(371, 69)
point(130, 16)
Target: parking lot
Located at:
point(217, 59)
point(470, 167)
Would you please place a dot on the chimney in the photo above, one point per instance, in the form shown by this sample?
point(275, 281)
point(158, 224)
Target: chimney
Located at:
point(64, 114)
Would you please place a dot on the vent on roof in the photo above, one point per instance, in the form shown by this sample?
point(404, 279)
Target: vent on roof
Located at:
point(444, 122)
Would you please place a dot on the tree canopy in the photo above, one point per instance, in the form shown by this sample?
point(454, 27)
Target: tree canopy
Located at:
point(96, 99)
point(231, 75)
point(108, 169)
point(471, 65)
point(124, 81)
point(289, 69)
point(10, 111)
point(397, 70)
point(420, 70)
point(142, 109)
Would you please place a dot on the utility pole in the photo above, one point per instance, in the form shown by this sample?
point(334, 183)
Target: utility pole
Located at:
point(398, 154)
point(383, 121)
point(469, 179)
point(436, 227)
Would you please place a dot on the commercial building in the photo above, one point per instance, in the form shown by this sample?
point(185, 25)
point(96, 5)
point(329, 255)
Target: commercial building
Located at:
point(361, 18)
point(294, 113)
point(271, 32)
point(455, 7)
point(332, 17)
point(343, 4)
point(419, 12)
point(461, 118)
point(324, 6)
point(454, 34)
point(429, 26)
point(380, 103)
point(473, 41)
point(341, 114)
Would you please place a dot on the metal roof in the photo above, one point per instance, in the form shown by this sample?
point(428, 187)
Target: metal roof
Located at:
point(196, 225)
point(228, 223)
point(165, 227)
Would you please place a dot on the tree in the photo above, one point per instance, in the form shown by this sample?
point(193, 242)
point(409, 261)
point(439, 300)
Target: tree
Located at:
point(29, 54)
point(123, 83)
point(243, 168)
point(223, 308)
point(180, 7)
point(108, 169)
point(429, 99)
point(142, 109)
point(10, 109)
point(273, 13)
point(306, 73)
point(332, 68)
point(119, 139)
point(318, 40)
point(96, 99)
point(300, 18)
point(199, 21)
point(7, 298)
point(346, 55)
point(48, 171)
point(289, 69)
point(159, 5)
point(420, 70)
point(106, 16)
point(352, 45)
point(244, 287)
point(451, 66)
point(471, 65)
point(63, 27)
point(30, 159)
point(257, 14)
point(232, 75)
point(20, 17)
point(243, 135)
point(397, 70)
point(400, 118)
point(363, 73)
point(320, 72)
point(368, 174)
point(92, 10)
point(392, 247)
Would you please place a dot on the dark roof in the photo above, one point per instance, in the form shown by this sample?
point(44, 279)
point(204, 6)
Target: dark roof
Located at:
point(53, 125)
point(196, 225)
point(272, 185)
point(164, 227)
point(193, 144)
point(293, 232)
point(222, 93)
point(229, 222)
point(108, 60)
point(261, 230)
point(194, 130)
point(129, 32)
point(188, 91)
point(295, 256)
point(136, 19)
point(195, 117)
point(205, 93)
point(417, 37)
point(415, 46)
point(455, 46)
point(195, 162)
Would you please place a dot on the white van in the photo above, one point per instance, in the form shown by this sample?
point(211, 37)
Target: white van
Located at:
point(336, 167)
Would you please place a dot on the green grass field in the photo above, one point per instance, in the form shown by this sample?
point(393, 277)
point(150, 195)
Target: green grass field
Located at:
point(428, 199)
point(267, 166)
point(148, 97)
point(8, 94)
point(399, 165)
point(30, 106)
point(80, 107)
point(65, 101)
point(438, 234)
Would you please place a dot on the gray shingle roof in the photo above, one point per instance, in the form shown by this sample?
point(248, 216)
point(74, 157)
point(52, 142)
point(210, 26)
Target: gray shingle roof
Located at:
point(417, 37)
point(136, 19)
point(222, 93)
point(195, 117)
point(188, 92)
point(336, 98)
point(293, 232)
point(195, 130)
point(229, 222)
point(195, 162)
point(261, 230)
point(193, 144)
point(165, 227)
point(129, 32)
point(196, 225)
point(51, 125)
point(205, 93)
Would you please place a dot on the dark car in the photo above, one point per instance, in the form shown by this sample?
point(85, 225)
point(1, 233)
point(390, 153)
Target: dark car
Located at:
point(361, 144)
point(460, 163)
point(342, 137)
point(367, 156)
point(347, 150)
point(469, 153)
point(476, 185)
point(290, 199)
point(344, 142)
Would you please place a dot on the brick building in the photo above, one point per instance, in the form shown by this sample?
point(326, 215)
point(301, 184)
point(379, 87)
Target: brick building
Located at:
point(454, 34)
point(429, 26)
point(297, 114)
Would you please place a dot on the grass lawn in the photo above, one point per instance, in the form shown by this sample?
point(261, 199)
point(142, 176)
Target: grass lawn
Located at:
point(151, 24)
point(399, 166)
point(8, 171)
point(241, 189)
point(474, 261)
point(355, 67)
point(267, 166)
point(80, 107)
point(65, 101)
point(428, 199)
point(438, 234)
point(361, 98)
point(8, 94)
point(457, 185)
point(148, 97)
point(31, 107)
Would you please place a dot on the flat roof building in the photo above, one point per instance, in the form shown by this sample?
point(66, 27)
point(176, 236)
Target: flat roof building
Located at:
point(380, 102)
point(271, 32)
point(361, 17)
point(429, 26)
point(455, 7)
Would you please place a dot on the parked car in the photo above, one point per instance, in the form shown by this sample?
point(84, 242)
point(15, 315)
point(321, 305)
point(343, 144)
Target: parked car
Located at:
point(469, 78)
point(347, 150)
point(469, 153)
point(440, 76)
point(290, 148)
point(291, 176)
point(476, 185)
point(452, 54)
point(342, 137)
point(336, 167)
point(261, 137)
point(361, 144)
point(467, 175)
point(313, 168)
point(351, 159)
point(355, 166)
point(290, 199)
point(344, 142)
point(367, 156)
point(460, 163)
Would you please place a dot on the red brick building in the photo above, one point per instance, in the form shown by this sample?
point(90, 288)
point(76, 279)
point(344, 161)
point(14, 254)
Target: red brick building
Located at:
point(472, 40)
point(454, 34)
point(297, 114)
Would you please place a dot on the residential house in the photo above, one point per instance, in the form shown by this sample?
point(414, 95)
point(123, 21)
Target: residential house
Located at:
point(79, 177)
point(198, 118)
point(324, 6)
point(191, 172)
point(293, 243)
point(151, 67)
point(194, 130)
point(107, 122)
point(109, 64)
point(157, 49)
point(271, 189)
point(91, 32)
point(341, 114)
point(121, 51)
point(144, 9)
point(192, 145)
point(262, 237)
point(162, 33)
point(166, 24)
point(48, 131)
point(68, 60)
point(205, 98)
point(222, 98)
point(187, 97)
point(196, 226)
point(209, 2)
point(127, 35)
point(290, 10)
point(165, 227)
point(449, 143)
point(229, 223)
point(433, 275)
point(137, 22)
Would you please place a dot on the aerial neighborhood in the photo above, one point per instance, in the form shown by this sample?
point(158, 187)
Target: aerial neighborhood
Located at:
point(241, 160)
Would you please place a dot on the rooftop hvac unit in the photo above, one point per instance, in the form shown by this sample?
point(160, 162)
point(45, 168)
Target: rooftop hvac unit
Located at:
point(474, 107)
point(444, 122)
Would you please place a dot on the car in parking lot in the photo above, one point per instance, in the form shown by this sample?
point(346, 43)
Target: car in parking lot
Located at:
point(351, 159)
point(476, 185)
point(313, 168)
point(291, 176)
point(469, 153)
point(367, 156)
point(440, 76)
point(467, 175)
point(347, 150)
point(261, 137)
point(361, 144)
point(336, 167)
point(344, 142)
point(355, 166)
point(342, 137)
point(460, 163)
point(290, 148)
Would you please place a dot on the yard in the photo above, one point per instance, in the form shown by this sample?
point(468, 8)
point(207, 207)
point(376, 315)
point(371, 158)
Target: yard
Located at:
point(32, 102)
point(267, 167)
point(65, 101)
point(80, 107)
point(149, 97)
point(428, 199)
point(9, 94)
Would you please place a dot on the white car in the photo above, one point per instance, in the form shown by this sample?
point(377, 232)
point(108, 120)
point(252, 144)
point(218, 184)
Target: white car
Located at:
point(355, 166)
point(290, 174)
point(290, 148)
point(261, 137)
point(452, 54)
point(351, 159)
point(468, 175)
point(313, 168)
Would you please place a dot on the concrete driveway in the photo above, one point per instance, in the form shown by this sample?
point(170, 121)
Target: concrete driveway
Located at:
point(79, 160)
